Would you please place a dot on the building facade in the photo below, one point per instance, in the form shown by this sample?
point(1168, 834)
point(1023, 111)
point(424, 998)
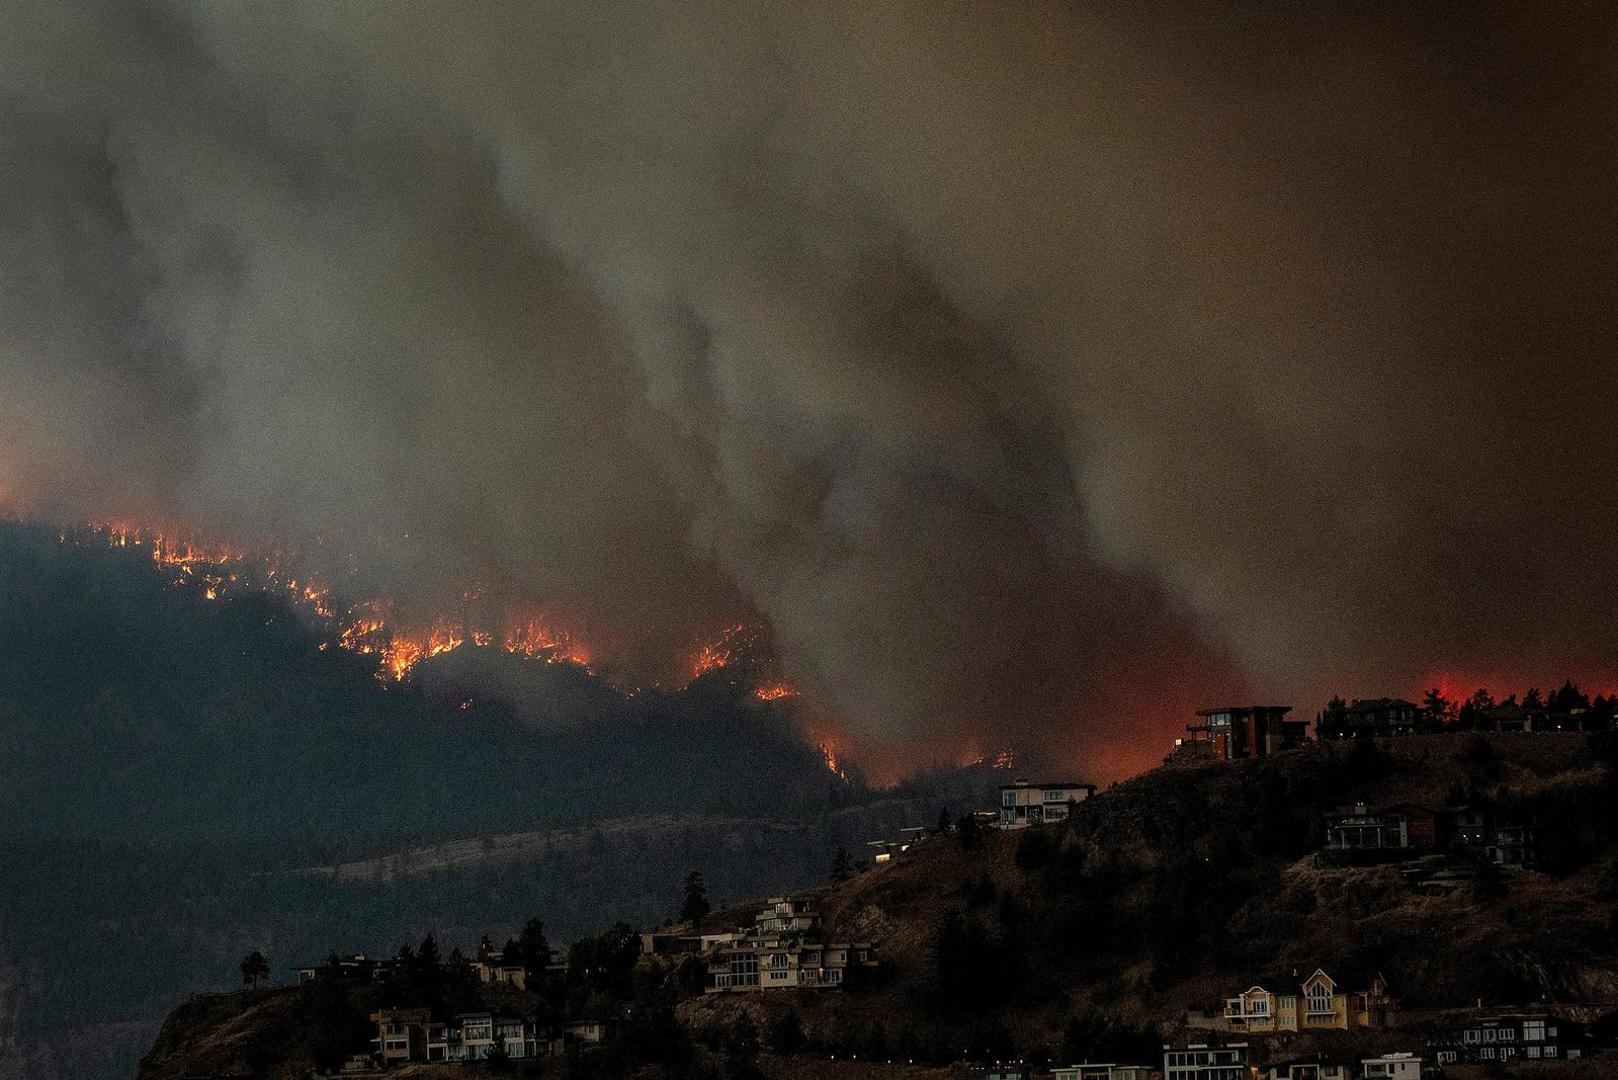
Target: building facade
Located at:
point(1493, 1040)
point(1400, 1066)
point(1237, 732)
point(1316, 1003)
point(1024, 803)
point(1200, 1061)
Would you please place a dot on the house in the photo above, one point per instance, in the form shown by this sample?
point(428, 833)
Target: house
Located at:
point(1317, 1003)
point(401, 1035)
point(1104, 1072)
point(1378, 717)
point(786, 915)
point(1200, 1061)
point(783, 963)
point(1311, 1068)
point(353, 967)
point(1400, 1066)
point(1512, 1037)
point(1235, 732)
point(492, 967)
point(1403, 827)
point(1023, 803)
point(1000, 1070)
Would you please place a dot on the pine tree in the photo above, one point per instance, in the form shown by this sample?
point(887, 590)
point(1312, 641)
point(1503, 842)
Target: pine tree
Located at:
point(696, 906)
point(839, 865)
point(254, 967)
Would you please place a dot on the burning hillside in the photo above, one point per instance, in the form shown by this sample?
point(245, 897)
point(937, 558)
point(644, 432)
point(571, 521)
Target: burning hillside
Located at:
point(373, 627)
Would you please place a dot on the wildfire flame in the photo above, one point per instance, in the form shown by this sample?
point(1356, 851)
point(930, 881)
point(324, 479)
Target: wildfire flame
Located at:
point(775, 692)
point(829, 752)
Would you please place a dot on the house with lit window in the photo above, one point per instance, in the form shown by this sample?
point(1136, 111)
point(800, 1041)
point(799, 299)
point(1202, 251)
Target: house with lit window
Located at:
point(1508, 1038)
point(784, 963)
point(1239, 732)
point(1316, 1003)
point(1201, 1061)
point(1024, 803)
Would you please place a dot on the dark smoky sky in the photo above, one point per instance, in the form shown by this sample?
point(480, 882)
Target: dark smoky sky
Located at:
point(1034, 372)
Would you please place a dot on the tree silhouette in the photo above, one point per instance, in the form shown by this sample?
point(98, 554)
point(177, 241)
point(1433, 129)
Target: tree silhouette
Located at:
point(1436, 706)
point(254, 967)
point(696, 906)
point(839, 865)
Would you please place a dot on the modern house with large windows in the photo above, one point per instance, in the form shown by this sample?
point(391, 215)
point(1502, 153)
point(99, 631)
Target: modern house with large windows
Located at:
point(1024, 803)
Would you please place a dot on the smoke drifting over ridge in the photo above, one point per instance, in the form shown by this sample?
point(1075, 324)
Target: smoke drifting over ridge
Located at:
point(1032, 371)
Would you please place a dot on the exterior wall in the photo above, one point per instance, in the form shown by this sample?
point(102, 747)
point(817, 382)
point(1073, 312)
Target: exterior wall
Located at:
point(1206, 1063)
point(1034, 804)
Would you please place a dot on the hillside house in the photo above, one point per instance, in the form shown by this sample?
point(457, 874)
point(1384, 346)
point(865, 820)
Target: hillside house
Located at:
point(1378, 718)
point(1236, 732)
point(1024, 803)
point(1400, 1066)
point(999, 1070)
point(1511, 1037)
point(786, 915)
point(1104, 1072)
point(1317, 1003)
point(400, 1035)
point(783, 963)
point(1200, 1061)
point(1311, 1068)
point(1402, 827)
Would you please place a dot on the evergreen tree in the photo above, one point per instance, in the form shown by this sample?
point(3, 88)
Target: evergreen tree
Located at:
point(254, 967)
point(839, 865)
point(696, 906)
point(1436, 707)
point(533, 950)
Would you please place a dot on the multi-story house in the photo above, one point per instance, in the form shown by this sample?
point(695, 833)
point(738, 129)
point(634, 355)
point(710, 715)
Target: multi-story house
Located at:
point(787, 915)
point(1200, 1061)
point(400, 1035)
point(1316, 1003)
point(1313, 1068)
point(1511, 1037)
point(1381, 717)
point(1023, 803)
point(783, 963)
point(1236, 732)
point(1104, 1072)
point(1398, 1066)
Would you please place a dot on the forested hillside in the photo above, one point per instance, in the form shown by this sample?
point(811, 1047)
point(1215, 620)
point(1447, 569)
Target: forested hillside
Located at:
point(169, 765)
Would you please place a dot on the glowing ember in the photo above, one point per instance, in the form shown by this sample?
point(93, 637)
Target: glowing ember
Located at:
point(775, 692)
point(719, 652)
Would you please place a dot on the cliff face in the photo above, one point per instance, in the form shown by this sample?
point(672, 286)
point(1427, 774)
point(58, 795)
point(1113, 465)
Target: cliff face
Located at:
point(253, 1034)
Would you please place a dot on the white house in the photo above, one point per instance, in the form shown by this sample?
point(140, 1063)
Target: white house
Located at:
point(1401, 1066)
point(1089, 1071)
point(1199, 1061)
point(1023, 803)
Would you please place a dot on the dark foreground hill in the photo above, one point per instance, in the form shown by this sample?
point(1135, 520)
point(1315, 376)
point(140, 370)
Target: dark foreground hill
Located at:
point(1183, 886)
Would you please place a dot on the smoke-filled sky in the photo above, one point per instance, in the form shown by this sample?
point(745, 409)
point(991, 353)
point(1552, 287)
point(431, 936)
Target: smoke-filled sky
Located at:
point(1034, 372)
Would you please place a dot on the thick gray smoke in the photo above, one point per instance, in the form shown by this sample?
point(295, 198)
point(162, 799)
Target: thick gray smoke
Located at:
point(1034, 372)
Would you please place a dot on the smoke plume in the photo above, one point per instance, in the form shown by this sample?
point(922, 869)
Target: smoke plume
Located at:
point(1033, 372)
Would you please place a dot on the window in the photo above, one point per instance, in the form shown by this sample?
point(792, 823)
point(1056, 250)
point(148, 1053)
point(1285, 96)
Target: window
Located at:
point(1533, 1031)
point(1507, 1035)
point(1320, 999)
point(1008, 798)
point(1470, 1036)
point(1056, 796)
point(1550, 1051)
